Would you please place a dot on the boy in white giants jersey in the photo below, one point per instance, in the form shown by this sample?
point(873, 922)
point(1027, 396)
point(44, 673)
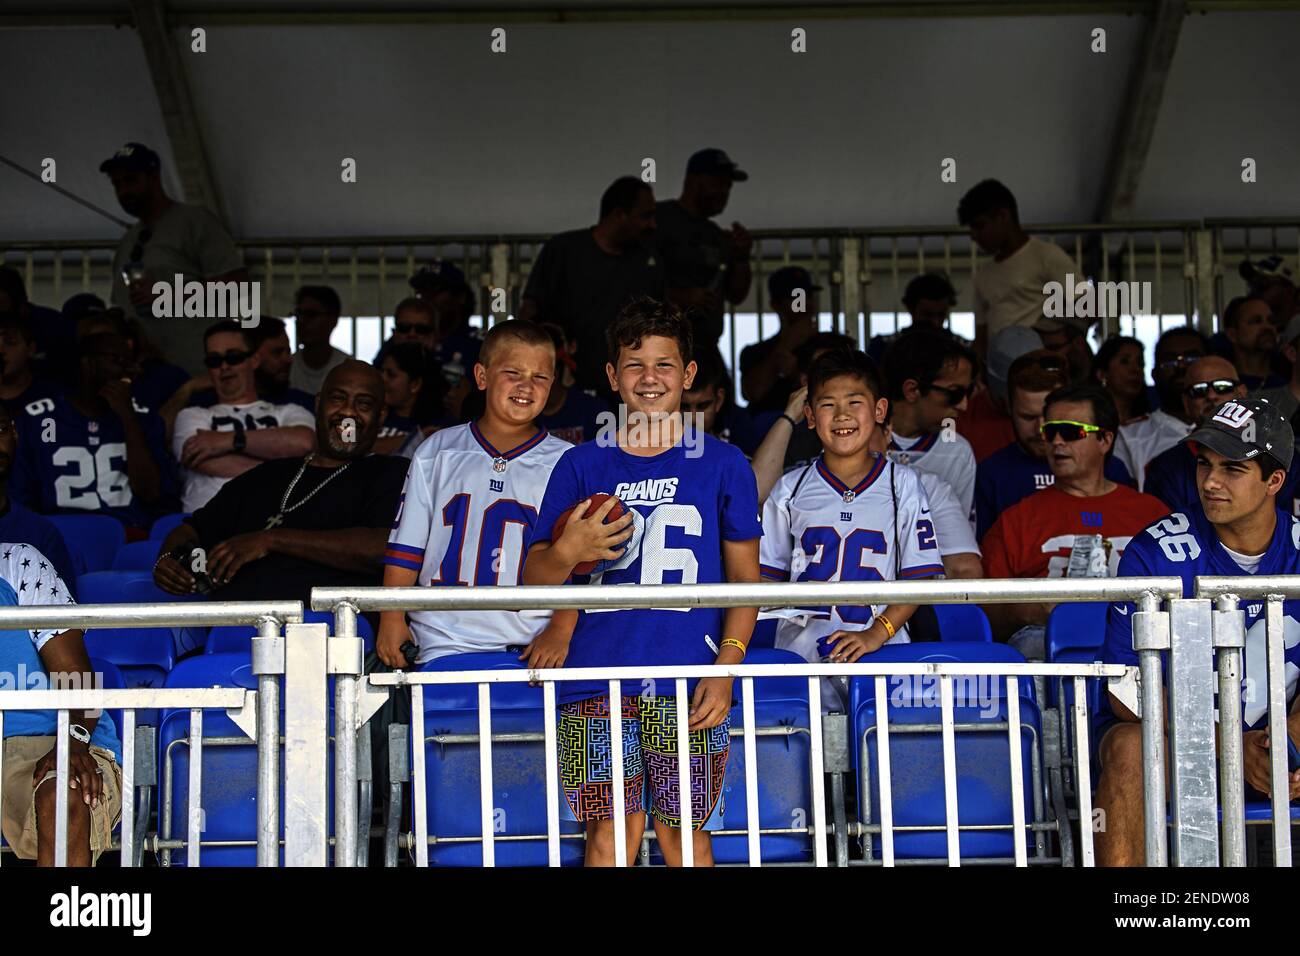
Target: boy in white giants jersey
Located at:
point(851, 515)
point(470, 500)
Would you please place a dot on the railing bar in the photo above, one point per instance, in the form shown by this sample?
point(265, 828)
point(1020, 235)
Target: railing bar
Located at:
point(61, 794)
point(684, 772)
point(128, 787)
point(486, 809)
point(884, 770)
point(1083, 774)
point(1277, 731)
point(751, 772)
point(817, 766)
point(1017, 770)
point(616, 747)
point(194, 808)
point(419, 783)
point(552, 775)
point(949, 770)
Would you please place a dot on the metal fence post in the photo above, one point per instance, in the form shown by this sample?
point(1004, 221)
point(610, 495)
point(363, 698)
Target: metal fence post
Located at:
point(306, 719)
point(1205, 276)
point(1191, 734)
point(1150, 637)
point(345, 662)
point(851, 286)
point(268, 666)
point(1229, 639)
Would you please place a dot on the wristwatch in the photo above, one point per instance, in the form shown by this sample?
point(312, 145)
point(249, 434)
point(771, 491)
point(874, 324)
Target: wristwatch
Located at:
point(79, 733)
point(241, 440)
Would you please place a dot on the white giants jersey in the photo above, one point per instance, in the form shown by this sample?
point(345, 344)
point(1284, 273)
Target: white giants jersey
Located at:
point(945, 454)
point(816, 528)
point(465, 517)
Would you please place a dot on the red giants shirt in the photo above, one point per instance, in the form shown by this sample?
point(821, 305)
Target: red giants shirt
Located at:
point(1035, 537)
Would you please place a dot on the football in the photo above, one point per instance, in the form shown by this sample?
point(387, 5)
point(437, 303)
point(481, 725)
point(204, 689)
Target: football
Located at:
point(598, 499)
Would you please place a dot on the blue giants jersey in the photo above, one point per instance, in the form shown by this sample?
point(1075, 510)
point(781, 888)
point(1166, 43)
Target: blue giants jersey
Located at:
point(70, 464)
point(686, 502)
point(1185, 544)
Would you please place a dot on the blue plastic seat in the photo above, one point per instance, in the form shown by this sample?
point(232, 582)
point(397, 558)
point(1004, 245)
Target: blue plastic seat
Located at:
point(1075, 634)
point(963, 622)
point(93, 540)
point(916, 757)
point(238, 639)
point(229, 798)
point(163, 526)
point(764, 634)
point(136, 556)
point(111, 678)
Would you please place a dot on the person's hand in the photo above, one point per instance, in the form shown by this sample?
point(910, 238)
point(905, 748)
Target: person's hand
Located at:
point(798, 399)
point(117, 394)
point(548, 649)
point(83, 772)
point(225, 560)
point(1256, 767)
point(710, 703)
point(849, 646)
point(206, 444)
point(389, 641)
point(140, 292)
point(173, 576)
point(741, 239)
point(589, 538)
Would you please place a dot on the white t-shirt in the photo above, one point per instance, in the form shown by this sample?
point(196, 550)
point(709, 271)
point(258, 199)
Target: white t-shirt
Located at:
point(199, 488)
point(1247, 562)
point(956, 536)
point(946, 455)
point(310, 380)
point(1010, 292)
point(1143, 438)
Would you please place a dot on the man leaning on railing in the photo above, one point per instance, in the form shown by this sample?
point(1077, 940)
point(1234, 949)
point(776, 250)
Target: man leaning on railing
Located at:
point(36, 660)
point(1235, 529)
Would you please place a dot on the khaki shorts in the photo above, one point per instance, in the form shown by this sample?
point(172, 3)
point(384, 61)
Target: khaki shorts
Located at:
point(18, 813)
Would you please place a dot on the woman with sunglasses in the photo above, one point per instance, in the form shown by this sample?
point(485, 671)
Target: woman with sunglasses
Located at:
point(1120, 369)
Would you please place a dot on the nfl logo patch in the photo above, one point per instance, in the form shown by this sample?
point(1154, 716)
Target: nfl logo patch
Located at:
point(499, 465)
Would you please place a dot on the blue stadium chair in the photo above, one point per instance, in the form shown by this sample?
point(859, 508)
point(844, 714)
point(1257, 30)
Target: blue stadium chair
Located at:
point(764, 634)
point(963, 622)
point(518, 769)
point(229, 797)
point(163, 526)
point(238, 639)
point(983, 764)
point(93, 540)
point(110, 678)
point(136, 556)
point(144, 654)
point(1075, 634)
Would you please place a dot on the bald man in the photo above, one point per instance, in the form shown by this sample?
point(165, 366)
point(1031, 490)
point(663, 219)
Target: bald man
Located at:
point(1209, 383)
point(288, 525)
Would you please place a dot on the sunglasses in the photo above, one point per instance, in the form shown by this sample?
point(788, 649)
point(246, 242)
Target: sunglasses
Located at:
point(1221, 386)
point(1066, 430)
point(232, 358)
point(406, 328)
point(953, 395)
point(1182, 359)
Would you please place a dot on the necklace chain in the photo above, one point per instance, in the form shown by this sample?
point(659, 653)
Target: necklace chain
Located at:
point(285, 507)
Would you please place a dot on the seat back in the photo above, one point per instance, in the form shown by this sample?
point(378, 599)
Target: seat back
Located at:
point(136, 556)
point(1076, 626)
point(963, 622)
point(163, 526)
point(93, 540)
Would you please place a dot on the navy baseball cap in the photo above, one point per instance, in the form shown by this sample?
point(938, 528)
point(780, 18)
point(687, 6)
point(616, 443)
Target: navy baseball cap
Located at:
point(439, 274)
point(132, 156)
point(717, 163)
point(1245, 428)
point(785, 280)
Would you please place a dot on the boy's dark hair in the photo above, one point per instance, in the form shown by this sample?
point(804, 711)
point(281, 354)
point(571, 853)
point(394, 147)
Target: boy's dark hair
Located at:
point(929, 285)
point(838, 363)
point(984, 197)
point(520, 331)
point(921, 354)
point(821, 342)
point(644, 317)
point(327, 297)
point(268, 327)
point(1104, 414)
point(1267, 465)
point(622, 194)
point(227, 325)
point(11, 284)
point(709, 373)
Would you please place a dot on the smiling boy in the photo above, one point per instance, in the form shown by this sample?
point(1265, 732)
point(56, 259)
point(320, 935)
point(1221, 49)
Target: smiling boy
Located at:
point(692, 518)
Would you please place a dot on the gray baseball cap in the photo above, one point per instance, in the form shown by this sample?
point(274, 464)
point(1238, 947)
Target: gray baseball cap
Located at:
point(1243, 429)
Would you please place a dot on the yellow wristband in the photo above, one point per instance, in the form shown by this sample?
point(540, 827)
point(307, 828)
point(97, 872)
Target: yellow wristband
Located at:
point(732, 642)
point(889, 625)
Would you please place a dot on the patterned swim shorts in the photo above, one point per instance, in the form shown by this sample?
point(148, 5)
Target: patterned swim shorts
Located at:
point(650, 769)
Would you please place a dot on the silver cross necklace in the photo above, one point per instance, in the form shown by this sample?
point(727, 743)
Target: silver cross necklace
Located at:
point(278, 519)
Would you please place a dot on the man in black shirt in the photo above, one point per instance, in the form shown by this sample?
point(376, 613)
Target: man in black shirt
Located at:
point(769, 370)
point(288, 525)
point(705, 266)
point(581, 280)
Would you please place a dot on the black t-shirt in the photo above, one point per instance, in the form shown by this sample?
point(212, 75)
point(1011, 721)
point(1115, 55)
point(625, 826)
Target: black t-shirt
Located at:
point(364, 496)
point(778, 394)
point(694, 251)
point(581, 287)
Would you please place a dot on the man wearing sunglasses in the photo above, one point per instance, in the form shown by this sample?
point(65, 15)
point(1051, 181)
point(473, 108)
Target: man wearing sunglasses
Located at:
point(1078, 526)
point(1140, 440)
point(1212, 382)
point(930, 376)
point(1234, 529)
point(240, 430)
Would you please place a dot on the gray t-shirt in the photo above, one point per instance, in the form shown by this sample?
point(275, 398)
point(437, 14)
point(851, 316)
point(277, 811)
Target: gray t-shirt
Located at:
point(187, 240)
point(302, 376)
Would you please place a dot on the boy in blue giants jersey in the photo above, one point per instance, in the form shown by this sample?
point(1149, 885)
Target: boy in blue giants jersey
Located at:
point(692, 518)
point(94, 450)
point(851, 515)
point(1235, 529)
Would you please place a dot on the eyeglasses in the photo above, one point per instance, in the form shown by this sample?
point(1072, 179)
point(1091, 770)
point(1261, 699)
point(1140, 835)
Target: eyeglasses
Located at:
point(407, 328)
point(1221, 386)
point(232, 358)
point(953, 395)
point(1181, 359)
point(1066, 430)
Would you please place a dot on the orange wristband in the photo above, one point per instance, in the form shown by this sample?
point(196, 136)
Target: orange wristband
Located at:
point(889, 625)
